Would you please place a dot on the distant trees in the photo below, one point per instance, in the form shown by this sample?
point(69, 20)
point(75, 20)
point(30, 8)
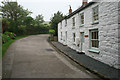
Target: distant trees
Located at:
point(39, 19)
point(14, 13)
point(16, 19)
point(55, 20)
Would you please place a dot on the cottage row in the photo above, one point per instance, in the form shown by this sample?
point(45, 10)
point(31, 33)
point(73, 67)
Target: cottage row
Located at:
point(93, 29)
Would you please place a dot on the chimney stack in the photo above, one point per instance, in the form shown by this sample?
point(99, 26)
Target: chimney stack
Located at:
point(70, 10)
point(85, 2)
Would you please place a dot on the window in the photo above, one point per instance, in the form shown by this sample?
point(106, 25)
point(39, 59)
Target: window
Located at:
point(66, 35)
point(65, 22)
point(94, 39)
point(73, 19)
point(61, 25)
point(82, 18)
point(95, 14)
point(61, 35)
point(73, 37)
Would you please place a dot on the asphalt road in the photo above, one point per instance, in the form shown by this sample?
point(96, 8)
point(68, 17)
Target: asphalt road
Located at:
point(33, 57)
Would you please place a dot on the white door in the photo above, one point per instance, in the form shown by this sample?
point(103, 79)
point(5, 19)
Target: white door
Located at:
point(81, 40)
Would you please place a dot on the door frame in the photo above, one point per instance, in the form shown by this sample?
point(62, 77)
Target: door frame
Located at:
point(81, 41)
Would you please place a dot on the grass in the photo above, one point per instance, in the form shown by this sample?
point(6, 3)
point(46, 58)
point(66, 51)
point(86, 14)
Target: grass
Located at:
point(7, 44)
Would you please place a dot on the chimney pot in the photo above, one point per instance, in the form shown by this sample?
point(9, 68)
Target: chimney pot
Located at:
point(85, 2)
point(70, 10)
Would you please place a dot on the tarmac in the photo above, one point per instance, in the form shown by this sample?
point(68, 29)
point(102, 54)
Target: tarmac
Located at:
point(33, 57)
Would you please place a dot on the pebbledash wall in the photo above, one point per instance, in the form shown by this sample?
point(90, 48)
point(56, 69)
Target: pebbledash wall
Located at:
point(106, 28)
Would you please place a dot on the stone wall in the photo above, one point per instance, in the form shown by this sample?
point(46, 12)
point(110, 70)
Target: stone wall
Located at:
point(108, 32)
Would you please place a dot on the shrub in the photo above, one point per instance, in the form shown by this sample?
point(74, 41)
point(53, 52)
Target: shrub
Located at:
point(51, 31)
point(5, 38)
point(10, 34)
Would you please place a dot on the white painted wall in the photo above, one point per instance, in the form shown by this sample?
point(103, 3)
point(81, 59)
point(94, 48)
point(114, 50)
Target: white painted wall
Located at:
point(108, 32)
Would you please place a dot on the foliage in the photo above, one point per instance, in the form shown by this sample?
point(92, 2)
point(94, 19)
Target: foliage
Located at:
point(8, 36)
point(16, 19)
point(22, 30)
point(51, 31)
point(5, 38)
point(29, 21)
point(7, 44)
point(5, 23)
point(14, 13)
point(55, 20)
point(39, 20)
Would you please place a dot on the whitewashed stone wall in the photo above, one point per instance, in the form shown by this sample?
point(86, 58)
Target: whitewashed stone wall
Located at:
point(108, 32)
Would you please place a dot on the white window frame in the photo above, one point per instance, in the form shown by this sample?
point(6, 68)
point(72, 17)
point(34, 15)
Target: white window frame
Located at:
point(73, 21)
point(82, 21)
point(61, 25)
point(61, 35)
point(74, 37)
point(65, 22)
point(94, 38)
point(95, 13)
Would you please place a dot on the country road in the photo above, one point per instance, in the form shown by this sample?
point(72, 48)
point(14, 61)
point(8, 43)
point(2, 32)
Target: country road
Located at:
point(33, 57)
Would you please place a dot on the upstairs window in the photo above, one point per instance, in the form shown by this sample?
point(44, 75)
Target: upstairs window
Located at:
point(65, 22)
point(73, 37)
point(95, 14)
point(61, 25)
point(73, 20)
point(61, 35)
point(82, 18)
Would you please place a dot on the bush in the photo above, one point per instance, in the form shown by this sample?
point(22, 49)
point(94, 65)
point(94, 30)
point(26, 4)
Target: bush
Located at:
point(51, 31)
point(10, 34)
point(5, 38)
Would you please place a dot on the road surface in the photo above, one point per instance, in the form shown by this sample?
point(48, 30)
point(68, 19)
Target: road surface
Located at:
point(33, 57)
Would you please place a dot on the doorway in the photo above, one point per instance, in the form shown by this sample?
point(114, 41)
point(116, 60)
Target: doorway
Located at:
point(81, 40)
point(66, 36)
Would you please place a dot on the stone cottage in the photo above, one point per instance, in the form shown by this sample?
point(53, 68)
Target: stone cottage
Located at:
point(93, 29)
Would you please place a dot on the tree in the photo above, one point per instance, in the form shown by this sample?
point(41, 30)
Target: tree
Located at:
point(14, 13)
point(5, 24)
point(55, 20)
point(39, 20)
point(29, 21)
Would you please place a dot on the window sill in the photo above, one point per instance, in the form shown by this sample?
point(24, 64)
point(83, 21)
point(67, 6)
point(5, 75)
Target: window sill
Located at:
point(82, 25)
point(94, 50)
point(73, 43)
point(96, 22)
point(73, 27)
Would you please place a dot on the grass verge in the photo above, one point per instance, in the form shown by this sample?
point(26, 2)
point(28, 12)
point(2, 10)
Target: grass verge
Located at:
point(7, 44)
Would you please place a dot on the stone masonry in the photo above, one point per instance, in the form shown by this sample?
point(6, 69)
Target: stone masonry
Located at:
point(107, 28)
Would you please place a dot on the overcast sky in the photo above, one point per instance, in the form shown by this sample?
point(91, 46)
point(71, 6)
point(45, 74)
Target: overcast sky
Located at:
point(48, 7)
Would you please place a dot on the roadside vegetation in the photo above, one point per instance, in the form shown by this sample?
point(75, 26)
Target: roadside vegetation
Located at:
point(16, 19)
point(55, 20)
point(17, 23)
point(6, 45)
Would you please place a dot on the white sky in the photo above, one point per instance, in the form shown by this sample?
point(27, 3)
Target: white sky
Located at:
point(48, 7)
